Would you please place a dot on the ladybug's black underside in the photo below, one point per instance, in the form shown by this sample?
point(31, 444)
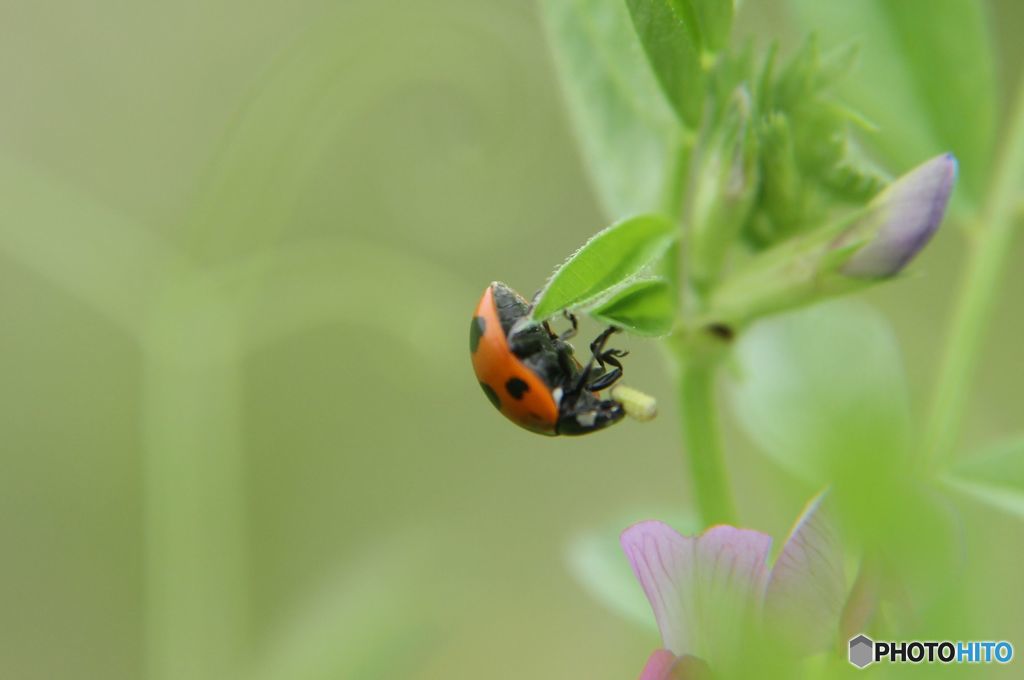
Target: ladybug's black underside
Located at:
point(579, 410)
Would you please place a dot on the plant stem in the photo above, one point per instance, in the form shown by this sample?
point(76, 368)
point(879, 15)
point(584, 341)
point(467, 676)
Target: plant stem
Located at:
point(988, 257)
point(697, 363)
point(193, 474)
point(703, 444)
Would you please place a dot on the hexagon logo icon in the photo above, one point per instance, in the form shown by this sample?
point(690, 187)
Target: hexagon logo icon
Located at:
point(861, 651)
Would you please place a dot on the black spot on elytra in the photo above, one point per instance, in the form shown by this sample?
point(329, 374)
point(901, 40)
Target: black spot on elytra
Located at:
point(476, 330)
point(517, 388)
point(491, 395)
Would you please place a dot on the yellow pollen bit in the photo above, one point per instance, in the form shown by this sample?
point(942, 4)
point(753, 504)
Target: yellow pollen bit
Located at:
point(640, 406)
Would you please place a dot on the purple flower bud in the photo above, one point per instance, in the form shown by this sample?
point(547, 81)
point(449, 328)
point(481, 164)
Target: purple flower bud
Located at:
point(904, 216)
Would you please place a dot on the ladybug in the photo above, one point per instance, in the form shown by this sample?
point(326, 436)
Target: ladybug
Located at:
point(531, 375)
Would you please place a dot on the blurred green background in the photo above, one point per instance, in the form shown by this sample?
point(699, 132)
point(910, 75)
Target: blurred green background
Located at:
point(240, 244)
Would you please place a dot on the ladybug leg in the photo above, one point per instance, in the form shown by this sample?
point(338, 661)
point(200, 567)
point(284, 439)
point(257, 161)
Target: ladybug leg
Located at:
point(565, 351)
point(611, 357)
point(606, 380)
point(604, 358)
point(571, 333)
point(597, 346)
point(591, 375)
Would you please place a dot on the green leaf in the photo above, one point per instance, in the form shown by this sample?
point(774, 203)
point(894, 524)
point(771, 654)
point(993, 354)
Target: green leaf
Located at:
point(645, 307)
point(715, 20)
point(608, 259)
point(822, 391)
point(669, 34)
point(926, 76)
point(995, 478)
point(630, 137)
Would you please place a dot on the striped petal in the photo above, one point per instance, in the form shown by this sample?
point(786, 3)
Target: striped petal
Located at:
point(663, 563)
point(731, 573)
point(806, 589)
point(703, 590)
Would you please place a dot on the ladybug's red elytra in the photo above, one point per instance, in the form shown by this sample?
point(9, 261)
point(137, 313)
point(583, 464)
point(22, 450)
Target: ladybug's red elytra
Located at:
point(530, 374)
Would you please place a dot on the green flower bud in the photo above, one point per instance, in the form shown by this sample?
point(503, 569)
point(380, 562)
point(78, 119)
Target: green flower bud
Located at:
point(725, 192)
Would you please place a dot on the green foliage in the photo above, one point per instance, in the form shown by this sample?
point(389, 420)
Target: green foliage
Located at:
point(770, 159)
point(799, 271)
point(807, 163)
point(725, 190)
point(645, 307)
point(821, 391)
point(670, 37)
point(778, 157)
point(926, 78)
point(604, 262)
point(714, 18)
point(911, 527)
point(995, 477)
point(781, 198)
point(682, 39)
point(628, 131)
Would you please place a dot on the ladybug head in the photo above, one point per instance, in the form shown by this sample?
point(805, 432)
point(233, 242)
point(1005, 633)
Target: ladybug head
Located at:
point(589, 414)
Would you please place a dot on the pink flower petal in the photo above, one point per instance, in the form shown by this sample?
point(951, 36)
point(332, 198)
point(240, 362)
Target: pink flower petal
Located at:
point(663, 665)
point(658, 665)
point(703, 591)
point(806, 589)
point(730, 578)
point(663, 563)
